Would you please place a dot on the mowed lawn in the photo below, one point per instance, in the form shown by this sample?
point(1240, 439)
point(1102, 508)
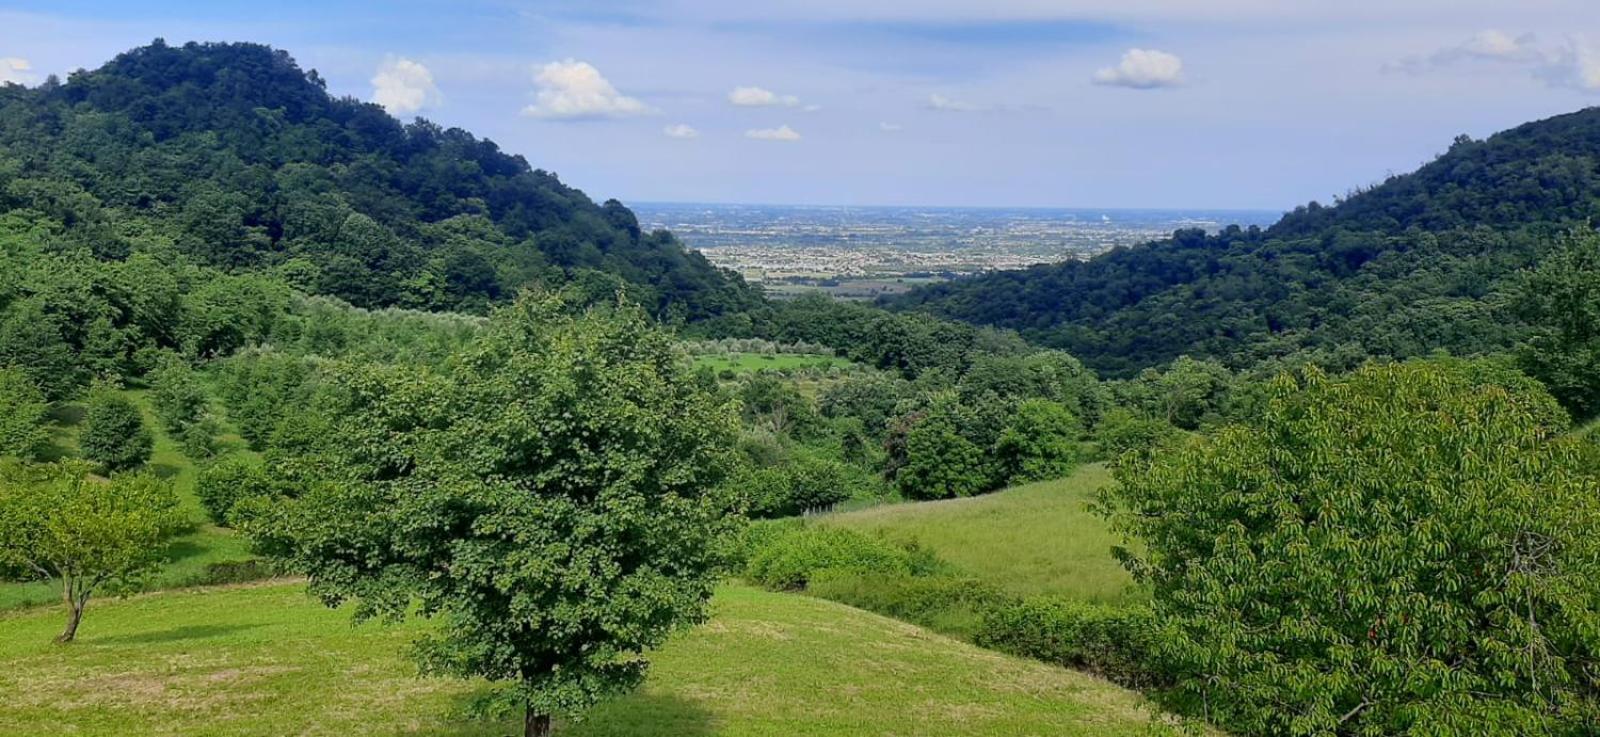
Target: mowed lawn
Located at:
point(268, 660)
point(1033, 539)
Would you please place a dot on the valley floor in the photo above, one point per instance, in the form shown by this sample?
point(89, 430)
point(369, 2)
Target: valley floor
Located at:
point(267, 659)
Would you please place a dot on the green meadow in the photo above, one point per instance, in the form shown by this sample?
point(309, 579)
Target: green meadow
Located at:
point(267, 660)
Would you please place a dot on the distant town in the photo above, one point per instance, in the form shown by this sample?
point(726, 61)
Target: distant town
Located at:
point(864, 252)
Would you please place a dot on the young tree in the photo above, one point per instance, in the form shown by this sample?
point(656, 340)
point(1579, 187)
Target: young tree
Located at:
point(176, 394)
point(114, 434)
point(1039, 443)
point(59, 523)
point(1409, 549)
point(22, 415)
point(940, 463)
point(554, 499)
point(1560, 301)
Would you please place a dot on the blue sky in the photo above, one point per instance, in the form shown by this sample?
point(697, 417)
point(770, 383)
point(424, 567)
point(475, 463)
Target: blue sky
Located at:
point(1093, 103)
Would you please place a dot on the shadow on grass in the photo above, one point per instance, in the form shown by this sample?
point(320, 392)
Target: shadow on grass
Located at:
point(183, 549)
point(189, 632)
point(164, 470)
point(638, 715)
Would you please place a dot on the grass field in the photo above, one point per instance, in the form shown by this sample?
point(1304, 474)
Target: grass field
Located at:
point(750, 362)
point(190, 554)
point(1033, 539)
point(267, 660)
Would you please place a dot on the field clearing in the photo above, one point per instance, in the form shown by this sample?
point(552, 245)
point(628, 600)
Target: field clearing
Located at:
point(268, 660)
point(1032, 539)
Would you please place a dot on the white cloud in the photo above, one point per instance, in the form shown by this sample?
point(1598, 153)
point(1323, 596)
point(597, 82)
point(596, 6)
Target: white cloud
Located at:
point(780, 133)
point(760, 97)
point(15, 69)
point(1574, 66)
point(575, 90)
point(1489, 45)
point(890, 127)
point(811, 108)
point(403, 86)
point(1143, 69)
point(945, 104)
point(681, 130)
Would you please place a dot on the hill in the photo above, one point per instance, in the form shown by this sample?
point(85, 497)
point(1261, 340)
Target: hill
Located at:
point(1401, 269)
point(238, 158)
point(1032, 539)
point(268, 660)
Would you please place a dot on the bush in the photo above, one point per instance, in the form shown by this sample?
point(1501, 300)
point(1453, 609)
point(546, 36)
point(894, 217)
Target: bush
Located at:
point(1113, 642)
point(176, 395)
point(949, 604)
point(222, 485)
point(22, 415)
point(790, 557)
point(114, 434)
point(805, 483)
point(236, 571)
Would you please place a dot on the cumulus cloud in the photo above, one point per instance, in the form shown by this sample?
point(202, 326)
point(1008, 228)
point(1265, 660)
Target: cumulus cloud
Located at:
point(1143, 69)
point(887, 127)
point(681, 130)
point(760, 97)
point(575, 90)
point(403, 86)
point(1574, 66)
point(780, 133)
point(945, 104)
point(15, 69)
point(1490, 45)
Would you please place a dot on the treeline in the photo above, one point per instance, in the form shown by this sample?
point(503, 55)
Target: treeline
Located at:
point(244, 162)
point(1416, 264)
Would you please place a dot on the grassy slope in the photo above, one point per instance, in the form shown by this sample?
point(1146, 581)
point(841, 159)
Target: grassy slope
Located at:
point(267, 660)
point(1038, 538)
point(190, 554)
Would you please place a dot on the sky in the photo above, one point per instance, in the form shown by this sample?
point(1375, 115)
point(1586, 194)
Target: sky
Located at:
point(1095, 103)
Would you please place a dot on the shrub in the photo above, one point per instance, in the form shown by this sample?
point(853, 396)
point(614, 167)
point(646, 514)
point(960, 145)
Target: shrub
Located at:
point(236, 571)
point(1114, 642)
point(22, 415)
point(176, 395)
point(114, 434)
point(805, 483)
point(949, 604)
point(1040, 442)
point(789, 558)
point(222, 485)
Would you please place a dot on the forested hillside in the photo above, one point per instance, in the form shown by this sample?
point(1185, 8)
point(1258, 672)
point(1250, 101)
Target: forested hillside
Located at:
point(241, 160)
point(1409, 266)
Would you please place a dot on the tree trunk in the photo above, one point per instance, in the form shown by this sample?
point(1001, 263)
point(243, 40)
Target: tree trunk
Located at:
point(74, 616)
point(535, 725)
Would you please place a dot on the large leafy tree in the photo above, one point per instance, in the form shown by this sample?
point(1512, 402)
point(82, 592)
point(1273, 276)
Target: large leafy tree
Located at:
point(551, 499)
point(1560, 300)
point(1407, 550)
point(60, 523)
point(114, 434)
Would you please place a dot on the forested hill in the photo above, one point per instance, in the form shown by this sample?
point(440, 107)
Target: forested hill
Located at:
point(1407, 267)
point(238, 158)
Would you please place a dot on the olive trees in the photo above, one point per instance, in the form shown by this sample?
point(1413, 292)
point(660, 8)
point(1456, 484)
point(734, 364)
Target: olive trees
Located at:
point(1409, 549)
point(59, 523)
point(551, 499)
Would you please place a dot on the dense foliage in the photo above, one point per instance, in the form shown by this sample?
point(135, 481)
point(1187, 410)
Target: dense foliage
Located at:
point(1412, 265)
point(114, 434)
point(1408, 549)
point(242, 161)
point(1561, 301)
point(552, 495)
point(59, 523)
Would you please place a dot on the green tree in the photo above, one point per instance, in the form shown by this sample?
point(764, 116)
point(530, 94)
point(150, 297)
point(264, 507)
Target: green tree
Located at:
point(59, 523)
point(1039, 443)
point(1407, 550)
point(1560, 300)
point(554, 500)
point(940, 463)
point(22, 415)
point(114, 434)
point(176, 394)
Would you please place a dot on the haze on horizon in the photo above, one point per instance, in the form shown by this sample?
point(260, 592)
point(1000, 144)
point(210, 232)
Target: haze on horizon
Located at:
point(1241, 104)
